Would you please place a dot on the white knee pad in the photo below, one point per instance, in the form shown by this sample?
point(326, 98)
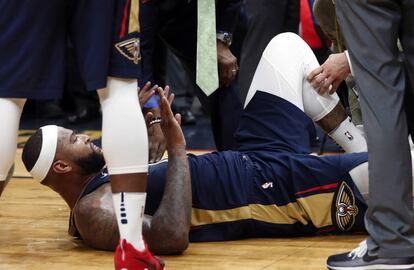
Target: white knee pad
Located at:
point(124, 133)
point(10, 112)
point(315, 105)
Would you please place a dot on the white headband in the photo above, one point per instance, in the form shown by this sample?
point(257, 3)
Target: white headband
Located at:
point(47, 152)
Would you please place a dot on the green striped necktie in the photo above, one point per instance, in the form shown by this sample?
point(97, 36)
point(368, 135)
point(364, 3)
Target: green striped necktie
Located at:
point(207, 70)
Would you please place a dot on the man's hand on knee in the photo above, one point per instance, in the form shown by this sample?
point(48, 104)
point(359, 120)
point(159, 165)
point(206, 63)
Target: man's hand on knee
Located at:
point(330, 74)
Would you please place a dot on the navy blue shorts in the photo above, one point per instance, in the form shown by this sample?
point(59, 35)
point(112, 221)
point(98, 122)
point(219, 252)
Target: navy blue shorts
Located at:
point(35, 34)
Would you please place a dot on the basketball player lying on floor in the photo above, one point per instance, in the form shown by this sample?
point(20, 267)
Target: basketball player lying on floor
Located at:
point(270, 187)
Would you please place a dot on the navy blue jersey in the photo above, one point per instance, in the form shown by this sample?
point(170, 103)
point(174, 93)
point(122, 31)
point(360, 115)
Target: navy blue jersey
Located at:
point(96, 181)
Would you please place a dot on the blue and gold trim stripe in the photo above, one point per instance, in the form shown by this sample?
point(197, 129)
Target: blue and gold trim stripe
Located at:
point(303, 211)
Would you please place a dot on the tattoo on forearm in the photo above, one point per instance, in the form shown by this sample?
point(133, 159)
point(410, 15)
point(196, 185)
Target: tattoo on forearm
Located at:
point(171, 223)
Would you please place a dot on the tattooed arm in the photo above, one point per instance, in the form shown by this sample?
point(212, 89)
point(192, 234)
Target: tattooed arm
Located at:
point(167, 233)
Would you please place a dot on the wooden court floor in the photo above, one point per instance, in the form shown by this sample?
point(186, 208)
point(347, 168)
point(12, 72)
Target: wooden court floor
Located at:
point(33, 235)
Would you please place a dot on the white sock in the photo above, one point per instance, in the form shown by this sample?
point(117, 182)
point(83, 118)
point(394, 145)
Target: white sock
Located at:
point(349, 137)
point(129, 209)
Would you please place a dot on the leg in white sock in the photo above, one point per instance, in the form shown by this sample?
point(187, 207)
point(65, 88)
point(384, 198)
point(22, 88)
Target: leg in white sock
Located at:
point(125, 146)
point(329, 114)
point(327, 108)
point(282, 71)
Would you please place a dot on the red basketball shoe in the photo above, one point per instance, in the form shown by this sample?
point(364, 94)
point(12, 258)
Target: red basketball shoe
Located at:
point(128, 258)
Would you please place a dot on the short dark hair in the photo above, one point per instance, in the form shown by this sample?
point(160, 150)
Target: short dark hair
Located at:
point(31, 150)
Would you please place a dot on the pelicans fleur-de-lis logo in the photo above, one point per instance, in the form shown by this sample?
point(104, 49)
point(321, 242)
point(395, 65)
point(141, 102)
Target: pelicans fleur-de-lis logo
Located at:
point(346, 209)
point(130, 49)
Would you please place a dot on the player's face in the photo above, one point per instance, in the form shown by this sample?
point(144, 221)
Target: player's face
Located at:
point(79, 149)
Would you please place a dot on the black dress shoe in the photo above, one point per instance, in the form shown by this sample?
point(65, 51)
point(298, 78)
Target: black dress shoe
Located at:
point(358, 259)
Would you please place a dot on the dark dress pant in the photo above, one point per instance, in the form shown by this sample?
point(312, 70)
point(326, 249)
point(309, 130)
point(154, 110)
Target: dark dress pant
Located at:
point(371, 30)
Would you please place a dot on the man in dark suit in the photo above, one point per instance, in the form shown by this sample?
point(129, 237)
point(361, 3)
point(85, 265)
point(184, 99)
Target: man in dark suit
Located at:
point(371, 30)
point(177, 27)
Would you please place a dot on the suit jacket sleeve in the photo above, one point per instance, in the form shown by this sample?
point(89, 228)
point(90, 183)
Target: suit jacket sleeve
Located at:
point(227, 12)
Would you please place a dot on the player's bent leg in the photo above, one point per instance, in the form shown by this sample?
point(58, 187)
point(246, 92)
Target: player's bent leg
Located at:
point(10, 112)
point(282, 71)
point(329, 114)
point(327, 111)
point(125, 146)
